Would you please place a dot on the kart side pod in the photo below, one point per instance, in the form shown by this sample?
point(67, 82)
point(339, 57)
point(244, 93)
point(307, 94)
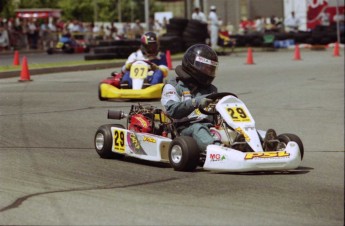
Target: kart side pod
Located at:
point(116, 114)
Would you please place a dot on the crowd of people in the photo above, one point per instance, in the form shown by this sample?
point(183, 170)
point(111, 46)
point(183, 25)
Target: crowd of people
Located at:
point(45, 33)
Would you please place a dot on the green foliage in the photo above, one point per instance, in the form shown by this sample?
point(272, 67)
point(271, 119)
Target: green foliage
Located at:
point(6, 8)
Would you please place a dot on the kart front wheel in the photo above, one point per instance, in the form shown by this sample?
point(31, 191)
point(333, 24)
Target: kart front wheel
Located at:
point(104, 141)
point(286, 137)
point(184, 154)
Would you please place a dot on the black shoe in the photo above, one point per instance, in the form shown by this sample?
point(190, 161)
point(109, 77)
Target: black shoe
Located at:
point(270, 140)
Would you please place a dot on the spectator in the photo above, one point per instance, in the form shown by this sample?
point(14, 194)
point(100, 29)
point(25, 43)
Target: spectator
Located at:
point(199, 15)
point(292, 23)
point(4, 38)
point(138, 30)
point(214, 27)
point(259, 24)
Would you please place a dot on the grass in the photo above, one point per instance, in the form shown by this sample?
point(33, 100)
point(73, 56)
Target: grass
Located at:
point(68, 64)
point(59, 64)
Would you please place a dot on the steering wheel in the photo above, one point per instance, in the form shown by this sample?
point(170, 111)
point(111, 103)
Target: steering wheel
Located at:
point(215, 97)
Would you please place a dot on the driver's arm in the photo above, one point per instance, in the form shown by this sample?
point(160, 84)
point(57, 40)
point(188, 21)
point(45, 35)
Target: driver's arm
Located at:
point(174, 106)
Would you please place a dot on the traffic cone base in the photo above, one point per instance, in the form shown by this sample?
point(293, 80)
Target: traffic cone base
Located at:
point(250, 59)
point(25, 74)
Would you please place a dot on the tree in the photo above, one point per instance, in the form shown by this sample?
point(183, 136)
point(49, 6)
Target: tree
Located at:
point(83, 10)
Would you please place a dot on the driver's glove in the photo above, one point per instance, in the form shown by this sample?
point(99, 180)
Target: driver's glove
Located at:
point(201, 101)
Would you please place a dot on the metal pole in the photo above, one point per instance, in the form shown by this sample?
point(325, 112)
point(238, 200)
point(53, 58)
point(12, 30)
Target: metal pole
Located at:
point(119, 11)
point(95, 11)
point(147, 12)
point(338, 26)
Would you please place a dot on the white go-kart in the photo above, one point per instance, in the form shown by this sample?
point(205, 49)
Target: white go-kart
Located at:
point(151, 135)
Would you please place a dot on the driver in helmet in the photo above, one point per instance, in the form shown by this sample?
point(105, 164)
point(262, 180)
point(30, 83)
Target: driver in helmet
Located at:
point(149, 51)
point(182, 97)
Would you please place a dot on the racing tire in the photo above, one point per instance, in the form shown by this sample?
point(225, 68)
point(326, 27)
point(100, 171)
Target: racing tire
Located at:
point(286, 137)
point(184, 154)
point(104, 141)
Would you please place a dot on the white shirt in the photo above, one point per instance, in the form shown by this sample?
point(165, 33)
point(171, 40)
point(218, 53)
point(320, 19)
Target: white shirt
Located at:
point(292, 22)
point(213, 19)
point(199, 16)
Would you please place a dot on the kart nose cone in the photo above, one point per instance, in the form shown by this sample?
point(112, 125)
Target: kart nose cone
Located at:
point(99, 141)
point(176, 154)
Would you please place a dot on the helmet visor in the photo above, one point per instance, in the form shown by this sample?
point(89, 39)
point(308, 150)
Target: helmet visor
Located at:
point(206, 66)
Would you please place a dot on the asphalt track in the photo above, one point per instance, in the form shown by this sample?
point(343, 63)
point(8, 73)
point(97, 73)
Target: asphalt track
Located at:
point(50, 173)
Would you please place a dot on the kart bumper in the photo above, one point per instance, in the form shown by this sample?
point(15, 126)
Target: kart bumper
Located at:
point(230, 160)
point(110, 92)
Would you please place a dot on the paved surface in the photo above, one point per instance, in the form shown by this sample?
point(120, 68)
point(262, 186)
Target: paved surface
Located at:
point(51, 175)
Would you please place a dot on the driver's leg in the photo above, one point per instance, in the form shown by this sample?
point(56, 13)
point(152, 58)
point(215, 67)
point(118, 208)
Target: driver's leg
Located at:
point(157, 77)
point(126, 81)
point(200, 133)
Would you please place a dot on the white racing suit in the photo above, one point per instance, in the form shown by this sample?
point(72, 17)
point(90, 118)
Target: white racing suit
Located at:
point(179, 103)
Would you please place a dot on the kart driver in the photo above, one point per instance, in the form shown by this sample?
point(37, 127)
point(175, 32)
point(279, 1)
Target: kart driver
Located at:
point(148, 52)
point(182, 97)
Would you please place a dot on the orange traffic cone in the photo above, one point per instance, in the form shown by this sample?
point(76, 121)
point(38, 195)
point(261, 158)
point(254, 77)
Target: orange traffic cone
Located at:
point(336, 51)
point(24, 74)
point(297, 55)
point(16, 58)
point(168, 58)
point(250, 56)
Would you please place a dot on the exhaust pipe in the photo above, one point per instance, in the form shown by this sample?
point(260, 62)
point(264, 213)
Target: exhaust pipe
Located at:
point(116, 114)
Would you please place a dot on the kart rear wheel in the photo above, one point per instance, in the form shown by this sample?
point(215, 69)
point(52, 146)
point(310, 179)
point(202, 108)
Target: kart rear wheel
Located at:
point(184, 154)
point(286, 137)
point(104, 140)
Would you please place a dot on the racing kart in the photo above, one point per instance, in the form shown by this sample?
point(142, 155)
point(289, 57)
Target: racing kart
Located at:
point(110, 88)
point(67, 44)
point(151, 135)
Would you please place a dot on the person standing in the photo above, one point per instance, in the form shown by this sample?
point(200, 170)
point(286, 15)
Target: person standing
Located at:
point(214, 27)
point(199, 15)
point(292, 23)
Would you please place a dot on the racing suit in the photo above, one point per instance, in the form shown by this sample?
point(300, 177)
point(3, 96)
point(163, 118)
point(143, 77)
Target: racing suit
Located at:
point(180, 103)
point(158, 74)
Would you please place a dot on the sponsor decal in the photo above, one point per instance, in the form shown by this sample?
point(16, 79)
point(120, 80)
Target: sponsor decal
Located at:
point(134, 144)
point(265, 155)
point(217, 157)
point(149, 139)
point(206, 61)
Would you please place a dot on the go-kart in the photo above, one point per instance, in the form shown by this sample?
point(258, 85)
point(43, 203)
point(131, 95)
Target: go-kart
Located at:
point(152, 135)
point(67, 44)
point(110, 88)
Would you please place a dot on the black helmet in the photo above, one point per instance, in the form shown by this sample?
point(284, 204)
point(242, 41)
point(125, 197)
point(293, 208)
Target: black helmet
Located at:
point(199, 63)
point(149, 44)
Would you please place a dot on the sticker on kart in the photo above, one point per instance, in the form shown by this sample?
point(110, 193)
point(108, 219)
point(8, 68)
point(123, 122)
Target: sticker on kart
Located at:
point(134, 144)
point(119, 140)
point(266, 155)
point(138, 71)
point(238, 114)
